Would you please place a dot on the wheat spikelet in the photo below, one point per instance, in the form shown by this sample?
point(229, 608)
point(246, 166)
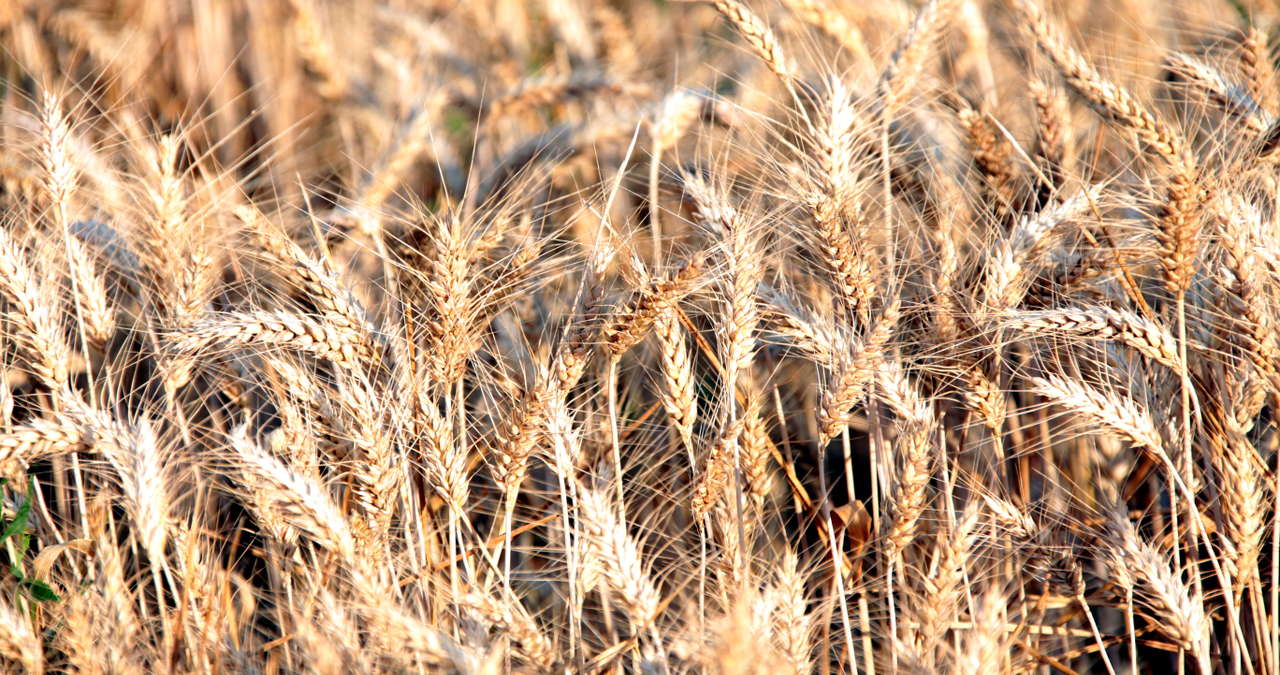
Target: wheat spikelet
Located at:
point(741, 311)
point(1120, 416)
point(413, 643)
point(1259, 71)
point(941, 597)
point(96, 308)
point(59, 173)
point(991, 155)
point(1053, 133)
point(854, 371)
point(1239, 224)
point(673, 117)
point(41, 439)
point(168, 201)
point(1108, 98)
point(1244, 496)
point(276, 329)
point(678, 396)
point(518, 433)
point(985, 646)
point(316, 277)
point(531, 642)
point(60, 177)
point(792, 622)
point(292, 498)
point(1006, 277)
point(620, 556)
point(913, 447)
point(821, 15)
point(1211, 83)
point(446, 464)
point(630, 324)
point(907, 62)
point(1103, 323)
point(139, 461)
point(833, 136)
point(29, 310)
point(556, 89)
point(517, 437)
point(1177, 615)
point(716, 471)
point(102, 622)
point(449, 287)
point(814, 341)
point(985, 398)
point(377, 474)
point(758, 36)
point(754, 456)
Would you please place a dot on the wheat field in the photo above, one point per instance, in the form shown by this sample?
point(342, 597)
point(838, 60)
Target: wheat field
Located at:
point(639, 336)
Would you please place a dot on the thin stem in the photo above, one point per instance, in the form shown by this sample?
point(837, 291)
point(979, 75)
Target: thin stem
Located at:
point(655, 224)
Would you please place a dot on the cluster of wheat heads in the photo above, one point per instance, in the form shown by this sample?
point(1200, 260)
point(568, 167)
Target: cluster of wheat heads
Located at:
point(585, 336)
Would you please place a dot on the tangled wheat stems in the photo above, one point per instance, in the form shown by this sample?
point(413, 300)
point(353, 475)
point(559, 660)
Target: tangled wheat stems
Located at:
point(585, 336)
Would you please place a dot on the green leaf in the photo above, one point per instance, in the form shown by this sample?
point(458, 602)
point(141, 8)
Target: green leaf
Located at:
point(19, 522)
point(41, 592)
